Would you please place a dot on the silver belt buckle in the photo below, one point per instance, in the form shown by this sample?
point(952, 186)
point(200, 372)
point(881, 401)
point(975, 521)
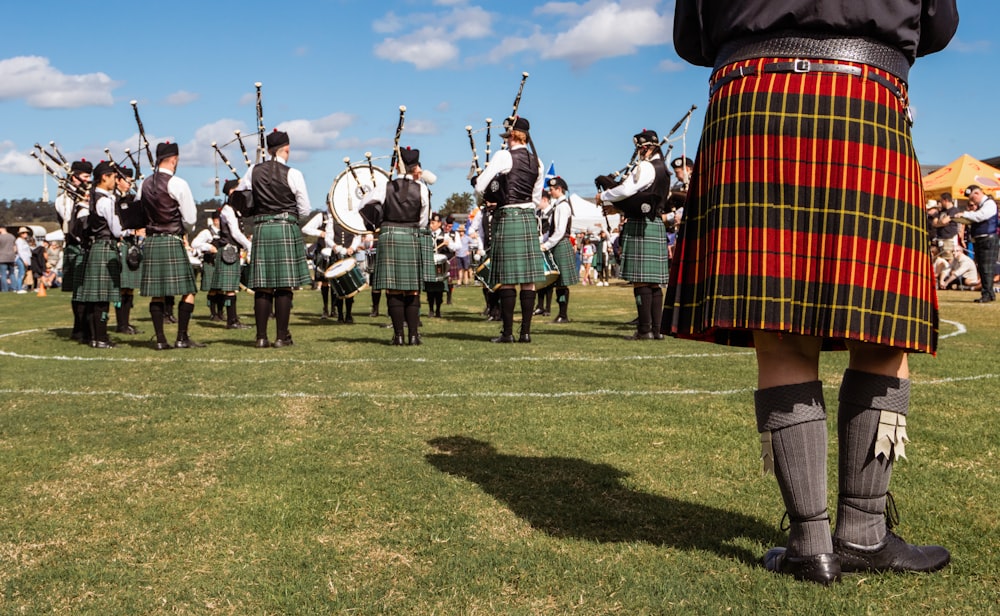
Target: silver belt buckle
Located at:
point(801, 66)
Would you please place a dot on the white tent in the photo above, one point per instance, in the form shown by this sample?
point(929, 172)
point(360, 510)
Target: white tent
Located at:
point(587, 217)
point(55, 236)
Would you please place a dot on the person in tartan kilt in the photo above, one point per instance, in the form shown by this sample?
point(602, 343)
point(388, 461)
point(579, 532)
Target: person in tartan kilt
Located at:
point(804, 230)
point(515, 252)
point(441, 246)
point(228, 267)
point(981, 216)
point(405, 250)
point(131, 273)
point(72, 207)
point(102, 268)
point(558, 243)
point(206, 244)
point(322, 259)
point(166, 271)
point(640, 198)
point(278, 256)
point(545, 214)
point(342, 245)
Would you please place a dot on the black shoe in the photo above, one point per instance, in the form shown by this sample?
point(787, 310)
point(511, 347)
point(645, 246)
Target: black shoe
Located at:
point(282, 342)
point(438, 314)
point(76, 336)
point(217, 318)
point(891, 554)
point(102, 344)
point(187, 343)
point(127, 330)
point(349, 320)
point(237, 325)
point(503, 339)
point(640, 336)
point(657, 335)
point(163, 346)
point(415, 340)
point(325, 315)
point(169, 318)
point(983, 300)
point(262, 343)
point(397, 340)
point(546, 313)
point(373, 313)
point(634, 321)
point(821, 568)
point(560, 319)
point(538, 312)
point(524, 338)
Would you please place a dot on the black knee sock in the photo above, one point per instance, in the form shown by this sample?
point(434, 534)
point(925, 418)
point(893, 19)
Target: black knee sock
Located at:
point(508, 301)
point(262, 312)
point(282, 313)
point(80, 324)
point(562, 298)
point(643, 304)
point(412, 312)
point(527, 309)
point(324, 290)
point(232, 316)
point(168, 305)
point(183, 319)
point(656, 308)
point(549, 292)
point(397, 312)
point(376, 300)
point(156, 312)
point(349, 308)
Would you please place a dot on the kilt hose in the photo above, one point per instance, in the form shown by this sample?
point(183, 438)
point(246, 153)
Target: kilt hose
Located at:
point(102, 274)
point(277, 255)
point(226, 276)
point(131, 278)
point(74, 258)
point(400, 263)
point(515, 250)
point(805, 216)
point(563, 255)
point(644, 251)
point(166, 269)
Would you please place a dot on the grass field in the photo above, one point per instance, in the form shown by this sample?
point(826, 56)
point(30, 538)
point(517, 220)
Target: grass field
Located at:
point(580, 474)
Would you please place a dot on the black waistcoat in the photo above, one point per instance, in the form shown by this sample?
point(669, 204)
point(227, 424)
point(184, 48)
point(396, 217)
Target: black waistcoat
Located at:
point(648, 203)
point(402, 202)
point(163, 213)
point(271, 192)
point(522, 177)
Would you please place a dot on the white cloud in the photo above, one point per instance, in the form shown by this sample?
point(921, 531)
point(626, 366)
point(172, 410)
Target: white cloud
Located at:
point(313, 135)
point(41, 85)
point(388, 23)
point(424, 49)
point(181, 97)
point(976, 47)
point(433, 43)
point(671, 66)
point(599, 34)
point(17, 163)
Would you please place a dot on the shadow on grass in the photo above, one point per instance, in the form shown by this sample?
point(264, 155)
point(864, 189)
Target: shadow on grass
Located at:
point(574, 498)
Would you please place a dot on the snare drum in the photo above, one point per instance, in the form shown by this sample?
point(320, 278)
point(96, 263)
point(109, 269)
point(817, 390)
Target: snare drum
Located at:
point(370, 260)
point(483, 275)
point(346, 277)
point(441, 267)
point(551, 270)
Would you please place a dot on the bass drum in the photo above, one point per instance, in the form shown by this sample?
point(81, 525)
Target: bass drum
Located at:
point(344, 198)
point(551, 270)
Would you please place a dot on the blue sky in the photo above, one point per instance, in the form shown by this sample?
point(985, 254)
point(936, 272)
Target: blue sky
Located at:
point(335, 72)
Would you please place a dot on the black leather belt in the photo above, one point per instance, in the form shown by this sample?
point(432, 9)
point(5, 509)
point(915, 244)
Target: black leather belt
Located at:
point(816, 47)
point(807, 66)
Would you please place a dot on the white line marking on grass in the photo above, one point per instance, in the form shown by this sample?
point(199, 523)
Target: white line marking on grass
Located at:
point(959, 329)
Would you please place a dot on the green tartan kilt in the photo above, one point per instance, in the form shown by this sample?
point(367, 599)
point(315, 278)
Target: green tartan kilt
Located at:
point(599, 255)
point(225, 276)
point(427, 256)
point(644, 251)
point(277, 257)
point(73, 261)
point(207, 274)
point(566, 260)
point(371, 262)
point(515, 252)
point(166, 269)
point(399, 266)
point(131, 278)
point(102, 274)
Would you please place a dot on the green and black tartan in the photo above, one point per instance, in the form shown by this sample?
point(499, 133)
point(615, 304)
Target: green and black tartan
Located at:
point(429, 272)
point(515, 250)
point(277, 255)
point(74, 258)
point(130, 278)
point(102, 277)
point(399, 266)
point(644, 251)
point(166, 269)
point(566, 260)
point(371, 259)
point(226, 276)
point(207, 274)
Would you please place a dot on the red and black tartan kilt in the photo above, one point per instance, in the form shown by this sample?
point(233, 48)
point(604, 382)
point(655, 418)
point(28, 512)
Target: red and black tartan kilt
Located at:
point(805, 216)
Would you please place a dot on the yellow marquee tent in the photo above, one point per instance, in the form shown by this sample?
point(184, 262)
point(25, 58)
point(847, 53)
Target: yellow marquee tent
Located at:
point(957, 176)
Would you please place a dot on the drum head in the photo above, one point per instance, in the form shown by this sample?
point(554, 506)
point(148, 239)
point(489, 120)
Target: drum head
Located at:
point(341, 267)
point(440, 258)
point(344, 198)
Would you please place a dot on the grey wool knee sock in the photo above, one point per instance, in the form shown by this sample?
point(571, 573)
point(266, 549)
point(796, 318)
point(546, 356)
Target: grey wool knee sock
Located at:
point(871, 430)
point(792, 423)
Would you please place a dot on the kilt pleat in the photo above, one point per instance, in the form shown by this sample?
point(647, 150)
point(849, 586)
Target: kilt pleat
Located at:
point(805, 217)
point(400, 266)
point(226, 276)
point(207, 275)
point(131, 278)
point(563, 255)
point(74, 258)
point(102, 274)
point(166, 269)
point(515, 249)
point(644, 251)
point(277, 256)
point(427, 273)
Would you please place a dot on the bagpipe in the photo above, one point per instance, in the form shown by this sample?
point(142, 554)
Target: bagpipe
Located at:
point(496, 191)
